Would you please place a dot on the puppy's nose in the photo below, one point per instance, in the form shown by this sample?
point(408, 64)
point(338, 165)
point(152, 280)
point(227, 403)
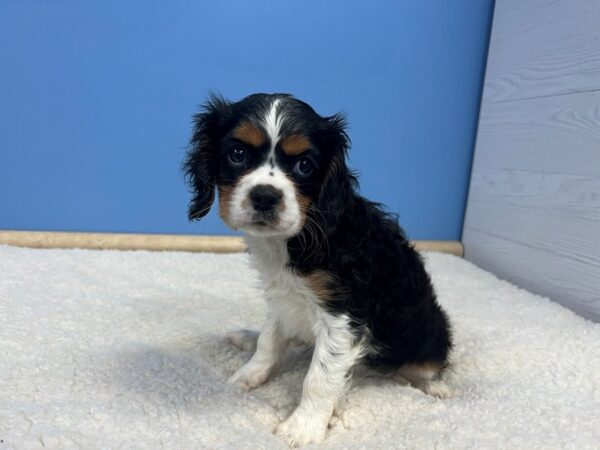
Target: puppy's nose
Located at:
point(265, 197)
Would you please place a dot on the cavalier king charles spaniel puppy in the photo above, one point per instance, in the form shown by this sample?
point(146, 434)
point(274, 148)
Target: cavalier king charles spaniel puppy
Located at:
point(338, 271)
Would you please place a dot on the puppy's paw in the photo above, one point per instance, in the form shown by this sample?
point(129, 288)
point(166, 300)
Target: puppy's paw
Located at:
point(435, 388)
point(243, 339)
point(302, 429)
point(249, 376)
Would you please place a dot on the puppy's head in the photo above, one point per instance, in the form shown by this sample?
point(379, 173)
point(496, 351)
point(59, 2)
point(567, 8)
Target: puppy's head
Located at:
point(271, 158)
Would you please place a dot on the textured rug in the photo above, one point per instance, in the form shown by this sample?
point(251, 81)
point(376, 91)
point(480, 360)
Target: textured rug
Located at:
point(107, 349)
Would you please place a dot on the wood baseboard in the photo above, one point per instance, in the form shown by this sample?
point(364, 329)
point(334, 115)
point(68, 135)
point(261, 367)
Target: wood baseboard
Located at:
point(161, 242)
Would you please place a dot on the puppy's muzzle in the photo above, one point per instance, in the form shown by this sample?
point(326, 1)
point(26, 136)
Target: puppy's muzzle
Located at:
point(265, 200)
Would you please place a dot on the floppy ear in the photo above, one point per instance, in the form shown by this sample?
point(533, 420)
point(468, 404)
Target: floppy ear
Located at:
point(200, 165)
point(339, 181)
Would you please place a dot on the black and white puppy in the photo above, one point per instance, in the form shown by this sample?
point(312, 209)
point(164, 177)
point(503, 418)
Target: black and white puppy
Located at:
point(338, 271)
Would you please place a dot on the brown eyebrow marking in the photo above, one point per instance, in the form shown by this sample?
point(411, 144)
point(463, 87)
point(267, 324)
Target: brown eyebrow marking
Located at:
point(250, 134)
point(295, 144)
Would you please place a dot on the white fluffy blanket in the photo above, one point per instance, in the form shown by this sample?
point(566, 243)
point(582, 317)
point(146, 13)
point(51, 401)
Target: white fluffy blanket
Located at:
point(107, 349)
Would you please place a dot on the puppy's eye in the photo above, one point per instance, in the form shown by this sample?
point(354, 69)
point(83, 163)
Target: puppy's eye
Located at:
point(237, 156)
point(304, 167)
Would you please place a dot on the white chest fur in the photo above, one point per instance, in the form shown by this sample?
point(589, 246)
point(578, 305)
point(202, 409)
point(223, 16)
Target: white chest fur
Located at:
point(289, 298)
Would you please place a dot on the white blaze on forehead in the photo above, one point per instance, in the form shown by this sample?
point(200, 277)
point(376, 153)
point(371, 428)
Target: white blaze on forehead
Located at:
point(241, 210)
point(272, 123)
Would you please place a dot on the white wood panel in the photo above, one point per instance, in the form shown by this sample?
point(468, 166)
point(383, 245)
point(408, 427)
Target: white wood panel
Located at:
point(564, 280)
point(549, 226)
point(550, 134)
point(548, 211)
point(542, 48)
point(533, 213)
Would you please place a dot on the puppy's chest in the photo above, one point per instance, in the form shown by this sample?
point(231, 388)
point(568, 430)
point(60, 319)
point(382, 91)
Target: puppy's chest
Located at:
point(290, 299)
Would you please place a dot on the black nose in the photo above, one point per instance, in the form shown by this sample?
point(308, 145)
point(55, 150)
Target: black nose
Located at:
point(265, 197)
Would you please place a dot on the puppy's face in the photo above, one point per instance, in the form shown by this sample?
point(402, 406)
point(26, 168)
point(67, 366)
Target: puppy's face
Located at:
point(270, 158)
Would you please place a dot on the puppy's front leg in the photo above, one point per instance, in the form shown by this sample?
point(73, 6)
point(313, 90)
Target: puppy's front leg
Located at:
point(335, 353)
point(269, 347)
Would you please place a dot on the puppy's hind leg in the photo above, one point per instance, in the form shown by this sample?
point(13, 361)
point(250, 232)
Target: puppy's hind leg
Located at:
point(243, 339)
point(427, 377)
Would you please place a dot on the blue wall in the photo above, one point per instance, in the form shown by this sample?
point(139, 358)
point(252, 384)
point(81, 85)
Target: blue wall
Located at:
point(96, 98)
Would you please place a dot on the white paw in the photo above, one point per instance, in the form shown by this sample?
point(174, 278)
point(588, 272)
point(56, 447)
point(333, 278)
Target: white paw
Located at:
point(243, 339)
point(249, 376)
point(435, 388)
point(302, 429)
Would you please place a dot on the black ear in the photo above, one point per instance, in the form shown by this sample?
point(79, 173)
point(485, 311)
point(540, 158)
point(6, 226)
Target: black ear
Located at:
point(338, 182)
point(200, 165)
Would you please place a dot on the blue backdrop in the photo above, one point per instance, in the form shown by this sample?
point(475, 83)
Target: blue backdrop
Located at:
point(96, 98)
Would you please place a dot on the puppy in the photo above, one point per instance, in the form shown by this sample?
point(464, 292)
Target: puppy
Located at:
point(338, 271)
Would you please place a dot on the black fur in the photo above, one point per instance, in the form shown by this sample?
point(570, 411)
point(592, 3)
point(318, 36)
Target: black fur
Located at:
point(380, 280)
point(201, 161)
